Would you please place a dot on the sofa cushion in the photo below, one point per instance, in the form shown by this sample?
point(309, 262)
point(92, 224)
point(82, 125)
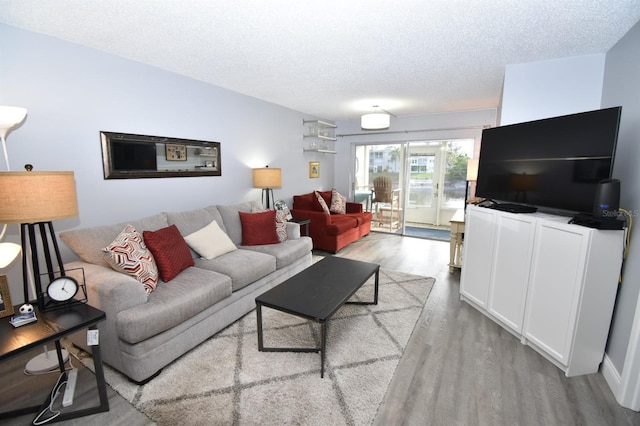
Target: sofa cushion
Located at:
point(192, 220)
point(128, 254)
point(340, 224)
point(304, 201)
point(322, 203)
point(210, 241)
point(235, 265)
point(286, 252)
point(190, 293)
point(338, 202)
point(259, 228)
point(87, 243)
point(231, 218)
point(326, 196)
point(362, 218)
point(170, 251)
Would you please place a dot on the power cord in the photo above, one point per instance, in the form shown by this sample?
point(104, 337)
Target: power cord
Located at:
point(627, 240)
point(55, 392)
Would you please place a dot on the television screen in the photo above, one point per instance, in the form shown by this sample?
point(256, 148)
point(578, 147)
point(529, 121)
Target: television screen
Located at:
point(131, 156)
point(554, 163)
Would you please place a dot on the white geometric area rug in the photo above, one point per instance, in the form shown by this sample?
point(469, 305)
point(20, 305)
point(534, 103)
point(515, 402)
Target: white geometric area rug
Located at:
point(227, 381)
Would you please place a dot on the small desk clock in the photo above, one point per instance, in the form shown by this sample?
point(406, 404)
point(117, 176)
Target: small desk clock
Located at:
point(62, 289)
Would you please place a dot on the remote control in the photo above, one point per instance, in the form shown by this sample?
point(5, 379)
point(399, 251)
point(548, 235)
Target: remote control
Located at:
point(70, 388)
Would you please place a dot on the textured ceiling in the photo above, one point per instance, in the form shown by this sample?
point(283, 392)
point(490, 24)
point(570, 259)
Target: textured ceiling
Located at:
point(336, 58)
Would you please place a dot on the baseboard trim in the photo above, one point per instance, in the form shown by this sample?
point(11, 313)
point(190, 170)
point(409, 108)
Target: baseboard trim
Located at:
point(612, 377)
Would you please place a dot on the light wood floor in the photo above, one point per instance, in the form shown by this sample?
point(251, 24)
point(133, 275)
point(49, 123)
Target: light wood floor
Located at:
point(460, 368)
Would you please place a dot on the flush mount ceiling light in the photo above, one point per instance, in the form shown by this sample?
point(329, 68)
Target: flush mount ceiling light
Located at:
point(376, 120)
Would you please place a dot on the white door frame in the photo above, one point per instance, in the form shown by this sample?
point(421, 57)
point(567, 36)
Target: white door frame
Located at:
point(627, 389)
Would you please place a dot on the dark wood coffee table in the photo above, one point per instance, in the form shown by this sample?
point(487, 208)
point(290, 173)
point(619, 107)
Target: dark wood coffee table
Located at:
point(316, 294)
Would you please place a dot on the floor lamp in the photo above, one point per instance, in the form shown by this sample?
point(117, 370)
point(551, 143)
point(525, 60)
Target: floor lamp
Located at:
point(10, 118)
point(267, 179)
point(33, 200)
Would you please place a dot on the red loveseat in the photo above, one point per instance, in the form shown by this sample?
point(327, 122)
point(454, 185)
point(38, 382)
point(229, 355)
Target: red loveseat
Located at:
point(331, 232)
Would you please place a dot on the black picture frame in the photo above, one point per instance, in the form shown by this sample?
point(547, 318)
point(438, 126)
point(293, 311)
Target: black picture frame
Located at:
point(132, 156)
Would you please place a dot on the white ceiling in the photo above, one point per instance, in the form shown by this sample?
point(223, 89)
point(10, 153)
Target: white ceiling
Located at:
point(336, 58)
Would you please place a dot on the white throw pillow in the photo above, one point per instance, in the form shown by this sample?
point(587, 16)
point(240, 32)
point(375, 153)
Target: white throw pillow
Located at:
point(210, 241)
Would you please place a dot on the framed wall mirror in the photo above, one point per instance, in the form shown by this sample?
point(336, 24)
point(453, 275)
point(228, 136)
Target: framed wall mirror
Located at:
point(129, 156)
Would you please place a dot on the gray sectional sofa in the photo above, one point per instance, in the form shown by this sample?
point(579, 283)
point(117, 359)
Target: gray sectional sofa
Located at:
point(145, 332)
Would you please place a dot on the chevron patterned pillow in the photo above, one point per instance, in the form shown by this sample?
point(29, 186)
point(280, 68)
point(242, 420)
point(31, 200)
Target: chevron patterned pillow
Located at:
point(129, 254)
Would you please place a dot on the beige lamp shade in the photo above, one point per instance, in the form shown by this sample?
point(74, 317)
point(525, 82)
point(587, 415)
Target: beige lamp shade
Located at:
point(31, 197)
point(472, 169)
point(267, 177)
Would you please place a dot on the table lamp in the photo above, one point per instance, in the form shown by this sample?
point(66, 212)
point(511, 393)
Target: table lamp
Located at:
point(33, 199)
point(267, 179)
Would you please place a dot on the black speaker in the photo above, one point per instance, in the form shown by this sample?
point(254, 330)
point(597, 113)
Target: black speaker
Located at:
point(607, 200)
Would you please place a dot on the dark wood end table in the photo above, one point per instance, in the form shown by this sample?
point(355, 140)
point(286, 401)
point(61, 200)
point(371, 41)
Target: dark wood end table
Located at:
point(51, 327)
point(302, 222)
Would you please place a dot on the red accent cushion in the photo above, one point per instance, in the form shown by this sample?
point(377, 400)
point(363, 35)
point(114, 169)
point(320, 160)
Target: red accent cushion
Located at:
point(171, 252)
point(323, 204)
point(304, 202)
point(259, 228)
point(326, 196)
point(341, 224)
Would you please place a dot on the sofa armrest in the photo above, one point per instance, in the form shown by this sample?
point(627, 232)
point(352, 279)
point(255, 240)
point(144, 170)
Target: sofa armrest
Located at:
point(353, 207)
point(109, 290)
point(316, 218)
point(293, 231)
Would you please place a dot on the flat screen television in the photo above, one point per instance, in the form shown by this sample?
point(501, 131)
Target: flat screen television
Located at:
point(553, 164)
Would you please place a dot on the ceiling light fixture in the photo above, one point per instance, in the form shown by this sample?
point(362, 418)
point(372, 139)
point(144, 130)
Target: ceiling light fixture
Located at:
point(376, 120)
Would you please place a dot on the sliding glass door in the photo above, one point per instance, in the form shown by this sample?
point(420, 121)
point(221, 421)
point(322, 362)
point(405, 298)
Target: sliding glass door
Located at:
point(428, 180)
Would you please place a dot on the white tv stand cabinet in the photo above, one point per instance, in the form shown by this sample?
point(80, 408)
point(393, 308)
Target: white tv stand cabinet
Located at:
point(550, 283)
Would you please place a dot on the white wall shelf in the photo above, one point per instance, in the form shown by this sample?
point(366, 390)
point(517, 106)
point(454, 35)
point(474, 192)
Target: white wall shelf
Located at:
point(320, 150)
point(319, 136)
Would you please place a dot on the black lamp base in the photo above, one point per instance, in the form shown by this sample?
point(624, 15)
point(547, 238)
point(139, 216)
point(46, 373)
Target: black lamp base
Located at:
point(49, 244)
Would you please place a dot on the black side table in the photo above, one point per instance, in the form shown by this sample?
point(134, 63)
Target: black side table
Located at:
point(302, 222)
point(51, 327)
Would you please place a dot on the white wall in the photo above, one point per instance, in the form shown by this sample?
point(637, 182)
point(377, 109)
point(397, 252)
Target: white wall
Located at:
point(446, 125)
point(551, 88)
point(72, 93)
point(622, 87)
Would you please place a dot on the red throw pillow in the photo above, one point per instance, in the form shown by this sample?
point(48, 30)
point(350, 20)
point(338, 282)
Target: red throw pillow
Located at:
point(259, 228)
point(304, 202)
point(317, 204)
point(171, 252)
